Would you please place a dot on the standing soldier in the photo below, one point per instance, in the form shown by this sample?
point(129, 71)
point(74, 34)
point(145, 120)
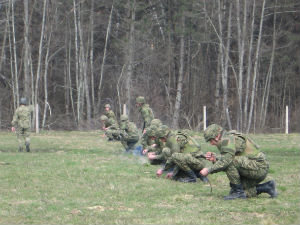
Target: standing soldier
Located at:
point(243, 163)
point(146, 112)
point(21, 124)
point(111, 128)
point(129, 135)
point(109, 113)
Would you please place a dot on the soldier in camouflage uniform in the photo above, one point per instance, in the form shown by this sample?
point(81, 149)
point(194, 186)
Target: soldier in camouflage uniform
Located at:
point(129, 135)
point(148, 138)
point(111, 128)
point(21, 124)
point(146, 112)
point(166, 145)
point(190, 160)
point(244, 164)
point(109, 113)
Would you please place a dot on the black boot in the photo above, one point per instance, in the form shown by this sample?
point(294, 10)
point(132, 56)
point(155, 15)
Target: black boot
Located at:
point(237, 192)
point(191, 177)
point(231, 188)
point(27, 147)
point(268, 187)
point(204, 179)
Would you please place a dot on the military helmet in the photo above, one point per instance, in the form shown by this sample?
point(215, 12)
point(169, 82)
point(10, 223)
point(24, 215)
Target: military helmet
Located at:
point(212, 131)
point(23, 101)
point(107, 106)
point(162, 131)
point(140, 100)
point(151, 131)
point(156, 122)
point(103, 117)
point(124, 117)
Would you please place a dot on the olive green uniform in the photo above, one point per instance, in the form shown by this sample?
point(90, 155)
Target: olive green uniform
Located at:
point(112, 132)
point(241, 160)
point(22, 120)
point(129, 135)
point(147, 114)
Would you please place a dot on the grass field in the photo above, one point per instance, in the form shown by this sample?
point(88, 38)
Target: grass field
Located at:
point(80, 178)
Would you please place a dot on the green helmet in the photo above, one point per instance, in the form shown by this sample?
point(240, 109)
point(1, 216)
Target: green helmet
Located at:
point(124, 118)
point(212, 131)
point(162, 131)
point(107, 106)
point(23, 101)
point(140, 100)
point(103, 118)
point(156, 122)
point(151, 131)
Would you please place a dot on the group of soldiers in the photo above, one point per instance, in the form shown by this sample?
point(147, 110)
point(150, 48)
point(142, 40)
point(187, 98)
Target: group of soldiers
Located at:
point(182, 159)
point(178, 153)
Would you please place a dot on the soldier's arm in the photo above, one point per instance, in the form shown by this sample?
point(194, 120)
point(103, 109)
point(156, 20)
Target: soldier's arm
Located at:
point(146, 117)
point(14, 122)
point(223, 162)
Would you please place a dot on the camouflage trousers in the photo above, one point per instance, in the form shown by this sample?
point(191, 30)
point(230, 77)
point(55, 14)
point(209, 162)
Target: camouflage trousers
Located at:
point(23, 136)
point(248, 171)
point(187, 162)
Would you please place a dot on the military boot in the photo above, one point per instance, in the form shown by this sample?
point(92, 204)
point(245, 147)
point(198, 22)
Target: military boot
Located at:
point(204, 179)
point(27, 147)
point(268, 187)
point(237, 192)
point(231, 188)
point(190, 178)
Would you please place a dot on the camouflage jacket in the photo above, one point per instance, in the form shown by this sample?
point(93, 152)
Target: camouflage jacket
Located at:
point(129, 130)
point(147, 114)
point(111, 123)
point(22, 116)
point(234, 144)
point(169, 147)
point(110, 114)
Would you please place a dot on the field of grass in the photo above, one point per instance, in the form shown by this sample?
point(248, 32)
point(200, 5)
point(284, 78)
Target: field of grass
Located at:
point(80, 178)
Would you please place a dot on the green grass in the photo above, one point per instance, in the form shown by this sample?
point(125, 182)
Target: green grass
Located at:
point(80, 178)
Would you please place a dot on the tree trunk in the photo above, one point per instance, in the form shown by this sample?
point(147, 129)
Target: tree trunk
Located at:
point(130, 56)
point(175, 123)
point(26, 51)
point(104, 58)
point(255, 70)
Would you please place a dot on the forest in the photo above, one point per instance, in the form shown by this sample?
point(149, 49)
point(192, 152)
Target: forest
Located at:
point(238, 58)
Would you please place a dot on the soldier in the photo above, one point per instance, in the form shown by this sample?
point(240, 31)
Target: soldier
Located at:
point(146, 112)
point(111, 128)
point(109, 113)
point(166, 143)
point(129, 136)
point(22, 120)
point(148, 138)
point(190, 160)
point(244, 164)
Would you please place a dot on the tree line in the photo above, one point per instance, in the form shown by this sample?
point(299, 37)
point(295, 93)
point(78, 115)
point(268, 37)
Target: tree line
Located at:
point(240, 59)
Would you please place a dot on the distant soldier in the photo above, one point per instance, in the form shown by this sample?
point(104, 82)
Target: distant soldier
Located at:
point(129, 135)
point(111, 128)
point(146, 112)
point(241, 160)
point(21, 124)
point(109, 113)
